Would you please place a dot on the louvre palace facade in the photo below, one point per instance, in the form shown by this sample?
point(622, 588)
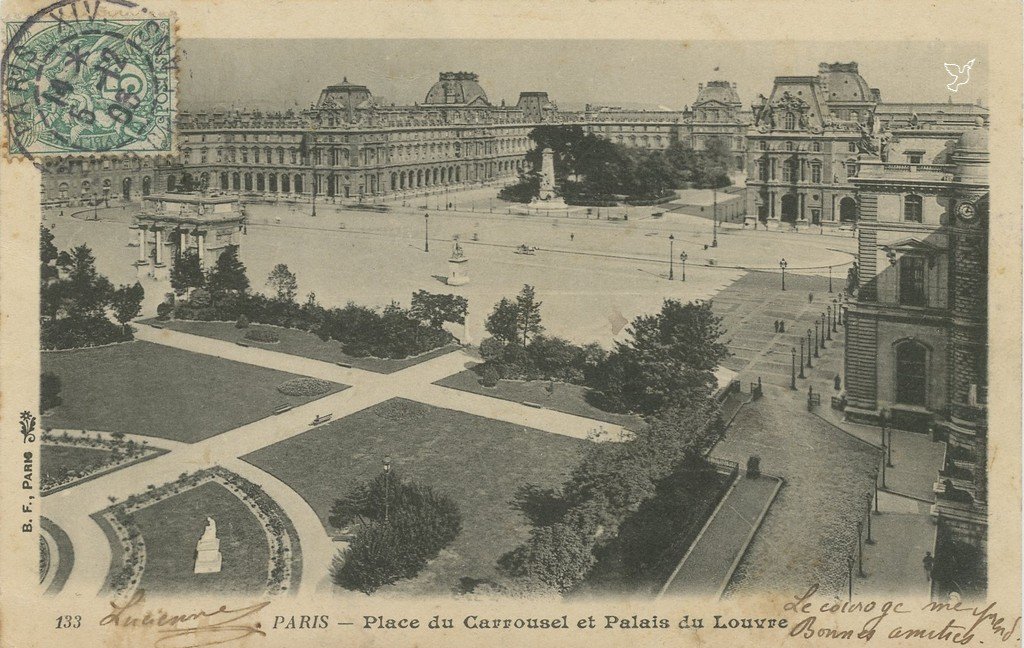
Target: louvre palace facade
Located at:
point(349, 146)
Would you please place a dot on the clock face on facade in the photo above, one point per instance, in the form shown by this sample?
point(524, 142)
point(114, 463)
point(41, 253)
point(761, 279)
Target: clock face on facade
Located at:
point(965, 211)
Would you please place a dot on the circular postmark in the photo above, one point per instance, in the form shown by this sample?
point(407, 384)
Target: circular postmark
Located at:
point(88, 85)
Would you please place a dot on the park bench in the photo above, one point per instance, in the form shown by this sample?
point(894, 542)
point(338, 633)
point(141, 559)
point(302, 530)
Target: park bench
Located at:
point(344, 364)
point(839, 402)
point(813, 399)
point(242, 344)
point(156, 326)
point(282, 408)
point(534, 405)
point(322, 419)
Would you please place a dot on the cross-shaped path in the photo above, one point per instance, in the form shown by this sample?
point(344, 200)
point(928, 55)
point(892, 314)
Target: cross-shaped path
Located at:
point(70, 508)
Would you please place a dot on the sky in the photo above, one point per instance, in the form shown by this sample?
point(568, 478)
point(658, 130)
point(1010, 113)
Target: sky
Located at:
point(279, 74)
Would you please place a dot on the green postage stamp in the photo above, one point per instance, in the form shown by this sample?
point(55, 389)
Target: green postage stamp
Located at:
point(89, 86)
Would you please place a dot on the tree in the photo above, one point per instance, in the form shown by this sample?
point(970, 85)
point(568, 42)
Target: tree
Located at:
point(85, 291)
point(491, 348)
point(187, 272)
point(49, 391)
point(503, 322)
point(228, 273)
point(435, 310)
point(527, 314)
point(127, 303)
point(283, 282)
point(47, 255)
point(557, 555)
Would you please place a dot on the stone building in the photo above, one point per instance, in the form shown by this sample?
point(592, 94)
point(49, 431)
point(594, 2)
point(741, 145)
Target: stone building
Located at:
point(349, 146)
point(808, 136)
point(916, 335)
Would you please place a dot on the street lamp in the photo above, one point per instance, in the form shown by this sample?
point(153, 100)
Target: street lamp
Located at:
point(802, 357)
point(387, 479)
point(824, 327)
point(809, 365)
point(714, 235)
point(783, 264)
point(830, 278)
point(426, 232)
point(671, 242)
point(849, 580)
point(869, 541)
point(792, 369)
point(816, 325)
point(682, 265)
point(828, 322)
point(860, 550)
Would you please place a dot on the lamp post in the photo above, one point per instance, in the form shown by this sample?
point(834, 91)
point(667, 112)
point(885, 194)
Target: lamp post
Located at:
point(671, 242)
point(884, 416)
point(809, 365)
point(387, 485)
point(792, 370)
point(816, 324)
point(860, 550)
point(869, 541)
point(828, 322)
point(830, 278)
point(835, 315)
point(714, 235)
point(426, 232)
point(682, 265)
point(849, 579)
point(825, 329)
point(801, 357)
point(783, 264)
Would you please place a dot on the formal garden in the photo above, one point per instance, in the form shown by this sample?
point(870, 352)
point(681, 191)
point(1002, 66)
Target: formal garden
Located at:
point(153, 538)
point(475, 462)
point(68, 458)
point(386, 339)
point(57, 559)
point(159, 391)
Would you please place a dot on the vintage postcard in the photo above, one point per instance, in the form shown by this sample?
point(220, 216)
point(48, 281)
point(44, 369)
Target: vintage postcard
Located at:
point(409, 323)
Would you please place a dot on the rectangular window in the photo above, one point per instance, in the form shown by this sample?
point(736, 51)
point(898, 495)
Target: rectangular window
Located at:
point(852, 147)
point(914, 158)
point(815, 173)
point(912, 269)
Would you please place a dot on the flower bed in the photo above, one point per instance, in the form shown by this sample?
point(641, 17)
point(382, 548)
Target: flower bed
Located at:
point(121, 454)
point(282, 539)
point(304, 386)
point(262, 335)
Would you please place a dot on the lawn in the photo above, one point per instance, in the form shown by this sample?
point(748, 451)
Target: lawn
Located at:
point(172, 527)
point(478, 462)
point(65, 555)
point(567, 398)
point(54, 459)
point(153, 390)
point(296, 342)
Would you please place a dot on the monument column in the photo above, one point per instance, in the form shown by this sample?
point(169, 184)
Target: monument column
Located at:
point(159, 254)
point(142, 245)
point(201, 248)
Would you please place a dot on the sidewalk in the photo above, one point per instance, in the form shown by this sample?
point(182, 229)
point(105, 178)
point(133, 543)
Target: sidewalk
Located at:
point(706, 569)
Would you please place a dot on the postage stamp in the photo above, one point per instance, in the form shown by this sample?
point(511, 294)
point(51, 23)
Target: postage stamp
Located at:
point(89, 86)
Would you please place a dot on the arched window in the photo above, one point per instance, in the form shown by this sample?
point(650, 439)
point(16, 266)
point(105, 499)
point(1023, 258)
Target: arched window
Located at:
point(912, 208)
point(911, 373)
point(790, 121)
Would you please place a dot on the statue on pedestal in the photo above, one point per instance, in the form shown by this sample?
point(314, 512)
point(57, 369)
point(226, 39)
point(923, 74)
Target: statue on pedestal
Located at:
point(208, 558)
point(457, 275)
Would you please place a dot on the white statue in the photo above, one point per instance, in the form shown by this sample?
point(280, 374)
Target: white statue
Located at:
point(208, 558)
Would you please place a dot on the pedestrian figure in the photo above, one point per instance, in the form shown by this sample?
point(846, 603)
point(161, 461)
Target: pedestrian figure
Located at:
point(782, 326)
point(928, 563)
point(776, 326)
point(837, 383)
point(572, 237)
point(810, 297)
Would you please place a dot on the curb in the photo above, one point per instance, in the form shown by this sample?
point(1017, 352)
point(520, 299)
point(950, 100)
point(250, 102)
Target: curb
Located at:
point(750, 537)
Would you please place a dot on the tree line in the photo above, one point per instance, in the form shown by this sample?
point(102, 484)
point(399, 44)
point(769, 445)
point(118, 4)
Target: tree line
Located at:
point(590, 169)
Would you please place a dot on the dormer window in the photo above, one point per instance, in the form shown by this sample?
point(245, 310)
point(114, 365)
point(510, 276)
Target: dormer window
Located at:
point(790, 121)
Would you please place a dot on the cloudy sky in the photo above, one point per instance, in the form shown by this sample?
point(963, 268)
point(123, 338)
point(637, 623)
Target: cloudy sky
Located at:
point(279, 74)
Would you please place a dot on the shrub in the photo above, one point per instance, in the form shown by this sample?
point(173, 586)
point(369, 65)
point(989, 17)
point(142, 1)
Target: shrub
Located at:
point(420, 524)
point(164, 310)
point(557, 555)
point(489, 376)
point(491, 348)
point(261, 335)
point(304, 386)
point(242, 322)
point(82, 331)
